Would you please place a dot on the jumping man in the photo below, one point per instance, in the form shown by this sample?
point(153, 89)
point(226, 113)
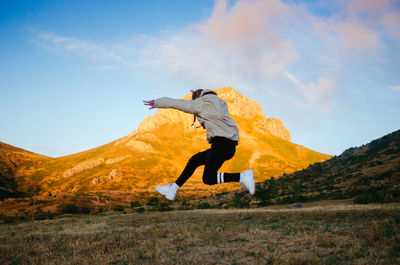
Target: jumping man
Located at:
point(222, 133)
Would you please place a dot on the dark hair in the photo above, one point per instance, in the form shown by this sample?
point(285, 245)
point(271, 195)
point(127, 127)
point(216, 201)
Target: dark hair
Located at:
point(196, 93)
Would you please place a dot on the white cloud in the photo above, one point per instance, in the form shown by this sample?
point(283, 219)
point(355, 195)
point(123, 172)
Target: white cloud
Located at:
point(321, 91)
point(396, 88)
point(233, 47)
point(391, 19)
point(368, 6)
point(247, 45)
point(104, 57)
point(355, 36)
point(248, 32)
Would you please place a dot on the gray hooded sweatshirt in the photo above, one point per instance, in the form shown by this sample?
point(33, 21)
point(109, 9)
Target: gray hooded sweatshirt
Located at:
point(211, 111)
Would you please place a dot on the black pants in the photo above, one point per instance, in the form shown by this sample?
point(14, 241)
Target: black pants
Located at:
point(213, 159)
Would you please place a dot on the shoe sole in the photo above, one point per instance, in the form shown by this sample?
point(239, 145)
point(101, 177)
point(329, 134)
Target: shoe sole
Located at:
point(169, 198)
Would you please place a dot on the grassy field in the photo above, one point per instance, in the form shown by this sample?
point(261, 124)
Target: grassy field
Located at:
point(347, 234)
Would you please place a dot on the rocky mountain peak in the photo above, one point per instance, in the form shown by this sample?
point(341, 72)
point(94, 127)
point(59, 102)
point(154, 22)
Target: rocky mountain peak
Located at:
point(239, 106)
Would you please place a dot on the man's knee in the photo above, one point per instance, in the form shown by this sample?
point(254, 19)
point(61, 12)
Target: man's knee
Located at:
point(209, 178)
point(195, 160)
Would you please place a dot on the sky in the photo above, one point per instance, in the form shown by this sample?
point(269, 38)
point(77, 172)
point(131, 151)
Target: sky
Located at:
point(73, 74)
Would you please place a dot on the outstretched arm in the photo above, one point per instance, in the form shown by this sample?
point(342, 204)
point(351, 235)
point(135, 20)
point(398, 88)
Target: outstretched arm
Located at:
point(188, 106)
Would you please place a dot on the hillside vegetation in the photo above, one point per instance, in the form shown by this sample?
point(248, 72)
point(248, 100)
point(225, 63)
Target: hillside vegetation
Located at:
point(370, 173)
point(367, 174)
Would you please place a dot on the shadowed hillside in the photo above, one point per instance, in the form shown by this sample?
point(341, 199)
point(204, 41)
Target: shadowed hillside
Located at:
point(369, 173)
point(11, 159)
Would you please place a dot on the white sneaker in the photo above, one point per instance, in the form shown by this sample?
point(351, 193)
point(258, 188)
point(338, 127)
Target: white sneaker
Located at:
point(247, 181)
point(169, 191)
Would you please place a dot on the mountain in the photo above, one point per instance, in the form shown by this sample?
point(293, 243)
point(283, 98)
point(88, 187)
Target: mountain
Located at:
point(369, 173)
point(11, 159)
point(158, 150)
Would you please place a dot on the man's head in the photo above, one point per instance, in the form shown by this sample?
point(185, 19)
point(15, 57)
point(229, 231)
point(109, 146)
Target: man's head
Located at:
point(196, 93)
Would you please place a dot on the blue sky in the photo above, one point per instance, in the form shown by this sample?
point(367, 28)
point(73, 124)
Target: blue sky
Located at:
point(73, 74)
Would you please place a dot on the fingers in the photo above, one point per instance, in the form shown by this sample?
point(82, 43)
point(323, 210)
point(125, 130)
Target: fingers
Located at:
point(149, 103)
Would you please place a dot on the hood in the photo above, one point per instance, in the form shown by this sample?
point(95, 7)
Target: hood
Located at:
point(207, 91)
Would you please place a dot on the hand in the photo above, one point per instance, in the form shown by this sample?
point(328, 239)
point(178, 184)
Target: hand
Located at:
point(149, 103)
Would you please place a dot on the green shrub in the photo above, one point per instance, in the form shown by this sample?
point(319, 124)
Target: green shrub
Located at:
point(8, 219)
point(140, 210)
point(153, 201)
point(165, 206)
point(70, 208)
point(239, 201)
point(204, 205)
point(44, 216)
point(135, 204)
point(263, 194)
point(73, 209)
point(85, 210)
point(368, 196)
point(395, 252)
point(119, 208)
point(15, 262)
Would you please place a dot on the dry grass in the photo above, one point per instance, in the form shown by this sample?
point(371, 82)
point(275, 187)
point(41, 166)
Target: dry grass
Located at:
point(315, 235)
